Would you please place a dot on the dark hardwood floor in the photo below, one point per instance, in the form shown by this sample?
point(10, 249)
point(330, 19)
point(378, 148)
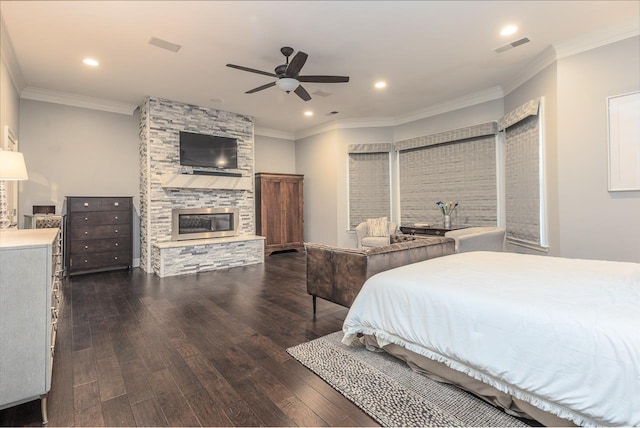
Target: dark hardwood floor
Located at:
point(206, 349)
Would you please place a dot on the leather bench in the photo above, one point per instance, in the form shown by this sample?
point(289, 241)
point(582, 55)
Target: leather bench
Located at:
point(337, 274)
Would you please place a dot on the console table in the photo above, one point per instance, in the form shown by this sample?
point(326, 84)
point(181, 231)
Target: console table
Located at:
point(428, 230)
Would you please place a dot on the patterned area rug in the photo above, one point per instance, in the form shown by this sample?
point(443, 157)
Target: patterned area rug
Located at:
point(390, 392)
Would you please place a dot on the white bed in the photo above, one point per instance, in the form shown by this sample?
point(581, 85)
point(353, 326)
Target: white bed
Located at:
point(560, 334)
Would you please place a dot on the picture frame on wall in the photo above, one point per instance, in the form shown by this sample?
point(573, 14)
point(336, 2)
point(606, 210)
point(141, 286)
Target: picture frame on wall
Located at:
point(623, 127)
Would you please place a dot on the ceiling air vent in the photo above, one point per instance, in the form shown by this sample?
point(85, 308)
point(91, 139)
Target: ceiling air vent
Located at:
point(163, 44)
point(514, 44)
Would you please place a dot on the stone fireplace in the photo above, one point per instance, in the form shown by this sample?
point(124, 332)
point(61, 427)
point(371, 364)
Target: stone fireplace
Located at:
point(166, 187)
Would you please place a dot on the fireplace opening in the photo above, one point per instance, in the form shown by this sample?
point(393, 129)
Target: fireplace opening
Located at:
point(202, 223)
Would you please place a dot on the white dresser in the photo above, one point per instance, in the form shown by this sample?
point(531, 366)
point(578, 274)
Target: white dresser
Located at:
point(30, 298)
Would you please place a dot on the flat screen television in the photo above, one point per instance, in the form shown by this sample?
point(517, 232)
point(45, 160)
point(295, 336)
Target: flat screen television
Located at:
point(210, 151)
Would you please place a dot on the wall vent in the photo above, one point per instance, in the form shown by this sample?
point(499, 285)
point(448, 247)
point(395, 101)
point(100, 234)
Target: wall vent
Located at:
point(514, 44)
point(163, 44)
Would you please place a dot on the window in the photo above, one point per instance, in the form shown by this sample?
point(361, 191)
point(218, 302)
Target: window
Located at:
point(369, 182)
point(524, 176)
point(457, 165)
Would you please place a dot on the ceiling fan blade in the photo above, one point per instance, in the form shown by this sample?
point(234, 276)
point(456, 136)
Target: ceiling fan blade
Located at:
point(259, 88)
point(323, 79)
point(296, 64)
point(251, 70)
point(302, 93)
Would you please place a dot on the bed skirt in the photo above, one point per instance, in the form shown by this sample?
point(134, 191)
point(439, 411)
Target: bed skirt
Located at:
point(439, 372)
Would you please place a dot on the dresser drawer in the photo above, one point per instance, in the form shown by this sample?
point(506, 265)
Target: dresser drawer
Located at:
point(99, 260)
point(87, 246)
point(116, 204)
point(93, 218)
point(99, 204)
point(99, 232)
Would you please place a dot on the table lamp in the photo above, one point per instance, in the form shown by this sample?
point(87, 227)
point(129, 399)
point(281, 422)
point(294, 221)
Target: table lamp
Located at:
point(12, 167)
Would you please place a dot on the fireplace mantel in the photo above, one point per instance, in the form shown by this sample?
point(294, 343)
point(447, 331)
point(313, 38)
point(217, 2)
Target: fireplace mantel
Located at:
point(193, 181)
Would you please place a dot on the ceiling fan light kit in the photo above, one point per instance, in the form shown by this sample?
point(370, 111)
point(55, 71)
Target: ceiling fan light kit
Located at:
point(287, 84)
point(288, 75)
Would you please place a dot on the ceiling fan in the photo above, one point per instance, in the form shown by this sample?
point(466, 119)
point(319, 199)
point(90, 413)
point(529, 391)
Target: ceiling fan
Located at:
point(288, 75)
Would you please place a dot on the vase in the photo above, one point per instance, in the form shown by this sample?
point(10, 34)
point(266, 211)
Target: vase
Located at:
point(447, 221)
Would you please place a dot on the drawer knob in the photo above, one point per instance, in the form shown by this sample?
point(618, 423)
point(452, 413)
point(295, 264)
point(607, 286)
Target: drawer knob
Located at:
point(115, 258)
point(116, 230)
point(86, 247)
point(86, 261)
point(86, 218)
point(115, 204)
point(86, 233)
point(116, 217)
point(86, 204)
point(117, 244)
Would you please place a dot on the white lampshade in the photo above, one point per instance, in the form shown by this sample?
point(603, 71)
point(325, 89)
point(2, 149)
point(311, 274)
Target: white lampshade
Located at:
point(287, 84)
point(12, 166)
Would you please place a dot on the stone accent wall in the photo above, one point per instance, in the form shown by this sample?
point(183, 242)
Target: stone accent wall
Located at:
point(160, 123)
point(202, 257)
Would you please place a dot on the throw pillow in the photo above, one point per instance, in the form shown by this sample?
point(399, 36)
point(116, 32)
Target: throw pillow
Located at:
point(377, 227)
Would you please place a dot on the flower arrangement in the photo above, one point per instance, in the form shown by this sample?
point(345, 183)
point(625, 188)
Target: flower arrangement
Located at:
point(447, 208)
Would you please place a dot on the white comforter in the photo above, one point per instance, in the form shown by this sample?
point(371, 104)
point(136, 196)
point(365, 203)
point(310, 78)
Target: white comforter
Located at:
point(561, 334)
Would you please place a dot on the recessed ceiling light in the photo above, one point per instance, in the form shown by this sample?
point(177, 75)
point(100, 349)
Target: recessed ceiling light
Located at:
point(91, 62)
point(308, 113)
point(380, 85)
point(508, 30)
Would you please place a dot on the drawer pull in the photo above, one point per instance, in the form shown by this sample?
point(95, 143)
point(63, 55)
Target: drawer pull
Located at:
point(86, 218)
point(117, 244)
point(115, 258)
point(115, 204)
point(86, 233)
point(86, 247)
point(116, 230)
point(86, 261)
point(86, 204)
point(116, 217)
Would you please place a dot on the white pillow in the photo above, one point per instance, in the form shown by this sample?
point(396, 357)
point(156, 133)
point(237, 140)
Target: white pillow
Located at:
point(377, 227)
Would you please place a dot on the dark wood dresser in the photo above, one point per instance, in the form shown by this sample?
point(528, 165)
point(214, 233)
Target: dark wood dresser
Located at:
point(99, 233)
point(279, 211)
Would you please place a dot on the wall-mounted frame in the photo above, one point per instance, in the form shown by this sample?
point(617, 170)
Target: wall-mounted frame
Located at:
point(623, 114)
point(9, 140)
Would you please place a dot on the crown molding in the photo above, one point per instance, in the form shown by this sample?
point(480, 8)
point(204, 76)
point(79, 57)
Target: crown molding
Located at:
point(535, 66)
point(57, 97)
point(468, 100)
point(365, 122)
point(274, 133)
point(9, 57)
point(598, 38)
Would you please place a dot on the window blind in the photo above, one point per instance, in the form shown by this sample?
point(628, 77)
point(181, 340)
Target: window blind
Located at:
point(522, 162)
point(460, 166)
point(369, 182)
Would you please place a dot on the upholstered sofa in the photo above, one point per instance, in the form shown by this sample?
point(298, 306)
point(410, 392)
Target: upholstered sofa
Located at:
point(478, 239)
point(337, 274)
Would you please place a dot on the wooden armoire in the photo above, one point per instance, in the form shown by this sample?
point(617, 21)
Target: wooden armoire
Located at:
point(279, 211)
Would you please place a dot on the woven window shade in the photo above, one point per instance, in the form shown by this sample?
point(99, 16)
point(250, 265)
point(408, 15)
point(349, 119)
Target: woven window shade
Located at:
point(463, 171)
point(522, 174)
point(369, 186)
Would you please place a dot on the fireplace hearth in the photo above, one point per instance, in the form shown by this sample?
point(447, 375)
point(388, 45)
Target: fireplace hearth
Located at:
point(203, 223)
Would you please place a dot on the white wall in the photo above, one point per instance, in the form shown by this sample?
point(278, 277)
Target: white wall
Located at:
point(9, 116)
point(318, 158)
point(594, 223)
point(274, 154)
point(71, 151)
point(472, 115)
